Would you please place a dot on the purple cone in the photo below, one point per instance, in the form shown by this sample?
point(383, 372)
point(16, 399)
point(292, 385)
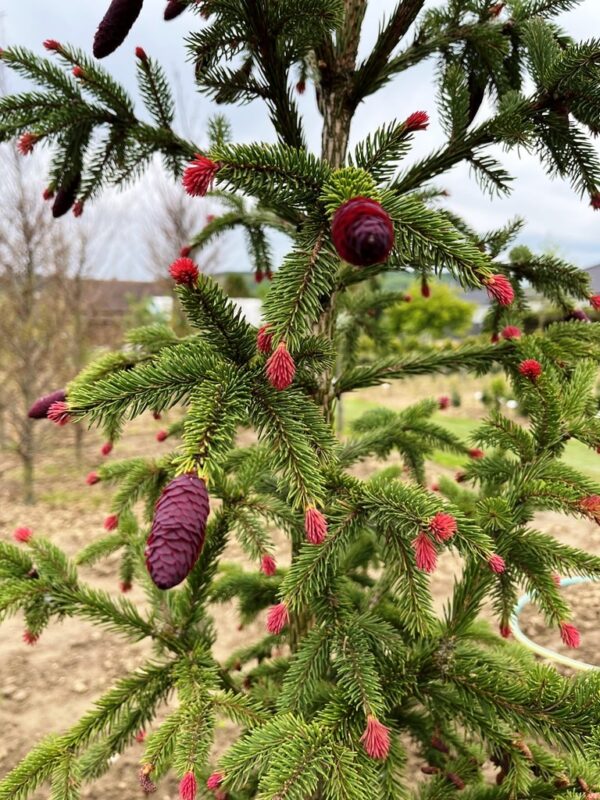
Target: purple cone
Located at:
point(174, 9)
point(39, 410)
point(178, 529)
point(115, 26)
point(362, 232)
point(65, 196)
point(579, 315)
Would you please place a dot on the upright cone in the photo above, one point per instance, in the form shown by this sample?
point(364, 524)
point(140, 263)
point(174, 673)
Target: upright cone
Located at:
point(362, 232)
point(178, 529)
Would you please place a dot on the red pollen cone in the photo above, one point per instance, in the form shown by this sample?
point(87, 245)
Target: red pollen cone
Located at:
point(277, 618)
point(59, 413)
point(530, 369)
point(264, 340)
point(184, 271)
point(26, 143)
point(511, 332)
point(280, 368)
point(315, 526)
point(425, 553)
point(443, 526)
point(188, 787)
point(199, 176)
point(500, 289)
point(497, 564)
point(267, 565)
point(376, 739)
point(215, 780)
point(417, 121)
point(475, 452)
point(569, 634)
point(111, 522)
point(595, 301)
point(30, 638)
point(22, 535)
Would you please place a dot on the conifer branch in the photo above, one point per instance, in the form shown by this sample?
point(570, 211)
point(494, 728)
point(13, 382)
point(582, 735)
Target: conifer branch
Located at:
point(369, 73)
point(473, 357)
point(355, 661)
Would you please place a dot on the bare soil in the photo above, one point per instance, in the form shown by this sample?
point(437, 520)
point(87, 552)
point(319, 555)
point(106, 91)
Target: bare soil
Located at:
point(584, 600)
point(46, 688)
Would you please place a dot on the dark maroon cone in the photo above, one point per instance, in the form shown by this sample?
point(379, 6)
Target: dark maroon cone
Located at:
point(39, 410)
point(177, 534)
point(362, 232)
point(65, 196)
point(115, 26)
point(174, 9)
point(579, 315)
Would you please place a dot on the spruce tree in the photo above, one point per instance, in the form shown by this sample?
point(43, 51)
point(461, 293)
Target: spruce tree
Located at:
point(354, 667)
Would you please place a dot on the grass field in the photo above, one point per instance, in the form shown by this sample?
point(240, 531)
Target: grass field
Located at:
point(576, 454)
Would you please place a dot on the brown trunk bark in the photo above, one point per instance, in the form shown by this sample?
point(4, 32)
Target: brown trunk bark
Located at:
point(337, 119)
point(26, 444)
point(335, 103)
point(27, 451)
point(79, 437)
point(79, 351)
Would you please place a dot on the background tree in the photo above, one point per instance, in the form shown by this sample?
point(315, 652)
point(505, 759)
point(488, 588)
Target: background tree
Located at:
point(354, 662)
point(35, 338)
point(441, 314)
point(170, 222)
point(235, 285)
point(82, 246)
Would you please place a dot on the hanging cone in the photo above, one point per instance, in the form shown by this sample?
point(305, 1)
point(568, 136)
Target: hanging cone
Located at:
point(65, 196)
point(178, 529)
point(115, 26)
point(39, 410)
point(174, 9)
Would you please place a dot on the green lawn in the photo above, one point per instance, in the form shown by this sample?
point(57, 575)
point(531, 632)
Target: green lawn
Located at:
point(577, 455)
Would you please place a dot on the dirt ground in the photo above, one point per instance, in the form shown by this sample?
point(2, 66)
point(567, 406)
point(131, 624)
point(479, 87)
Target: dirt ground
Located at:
point(584, 600)
point(46, 688)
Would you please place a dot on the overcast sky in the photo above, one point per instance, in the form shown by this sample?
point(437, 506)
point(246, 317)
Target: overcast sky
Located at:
point(556, 218)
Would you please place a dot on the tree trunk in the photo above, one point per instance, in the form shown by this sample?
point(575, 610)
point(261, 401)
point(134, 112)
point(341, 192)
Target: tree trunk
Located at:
point(2, 427)
point(79, 341)
point(337, 119)
point(79, 436)
point(334, 105)
point(27, 450)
